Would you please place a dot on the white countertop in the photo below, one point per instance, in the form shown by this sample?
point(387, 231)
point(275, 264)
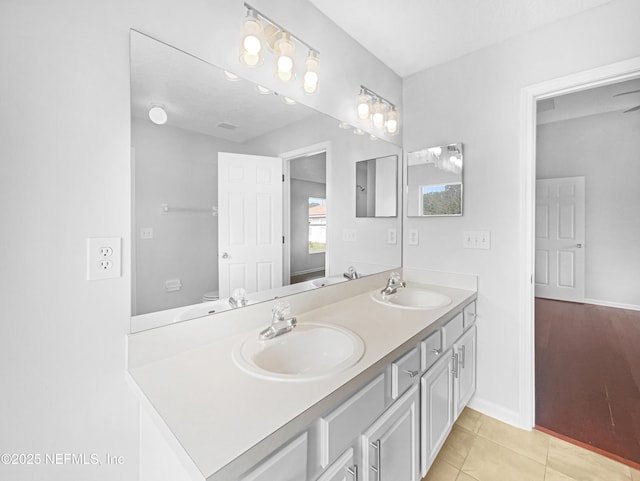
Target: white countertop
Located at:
point(217, 412)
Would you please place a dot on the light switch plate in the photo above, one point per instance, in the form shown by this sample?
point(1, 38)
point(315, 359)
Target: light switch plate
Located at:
point(392, 236)
point(476, 239)
point(349, 235)
point(414, 237)
point(104, 258)
point(146, 233)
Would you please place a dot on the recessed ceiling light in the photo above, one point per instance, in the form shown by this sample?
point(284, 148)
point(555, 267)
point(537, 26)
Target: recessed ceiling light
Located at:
point(263, 90)
point(231, 76)
point(344, 125)
point(158, 115)
point(288, 100)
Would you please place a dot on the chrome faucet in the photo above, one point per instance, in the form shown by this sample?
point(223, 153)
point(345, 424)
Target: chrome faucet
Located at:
point(393, 284)
point(280, 324)
point(351, 273)
point(239, 298)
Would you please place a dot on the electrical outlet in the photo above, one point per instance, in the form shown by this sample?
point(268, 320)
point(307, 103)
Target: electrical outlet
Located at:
point(476, 239)
point(414, 237)
point(103, 257)
point(392, 236)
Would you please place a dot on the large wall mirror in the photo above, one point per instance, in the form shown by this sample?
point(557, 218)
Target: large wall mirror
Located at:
point(208, 182)
point(434, 181)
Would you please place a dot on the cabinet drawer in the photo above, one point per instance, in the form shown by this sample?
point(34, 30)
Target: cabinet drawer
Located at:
point(339, 428)
point(431, 347)
point(404, 372)
point(290, 462)
point(469, 314)
point(453, 330)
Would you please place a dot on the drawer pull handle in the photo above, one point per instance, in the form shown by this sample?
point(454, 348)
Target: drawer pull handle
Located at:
point(437, 352)
point(353, 471)
point(376, 468)
point(412, 373)
point(464, 355)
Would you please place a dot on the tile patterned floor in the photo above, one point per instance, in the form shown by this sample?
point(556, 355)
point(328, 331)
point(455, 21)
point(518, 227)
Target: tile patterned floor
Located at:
point(481, 448)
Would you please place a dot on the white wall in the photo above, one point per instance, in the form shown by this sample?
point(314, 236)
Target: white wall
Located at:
point(178, 168)
point(65, 176)
point(605, 149)
point(476, 99)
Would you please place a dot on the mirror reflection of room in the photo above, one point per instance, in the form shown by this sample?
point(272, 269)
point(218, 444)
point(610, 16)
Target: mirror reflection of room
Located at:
point(434, 181)
point(199, 239)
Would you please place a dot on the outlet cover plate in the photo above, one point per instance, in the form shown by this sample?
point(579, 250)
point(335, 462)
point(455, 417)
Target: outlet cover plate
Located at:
point(104, 258)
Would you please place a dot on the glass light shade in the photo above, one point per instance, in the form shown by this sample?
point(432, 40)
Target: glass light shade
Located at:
point(392, 123)
point(379, 114)
point(364, 106)
point(285, 53)
point(311, 68)
point(158, 115)
point(251, 42)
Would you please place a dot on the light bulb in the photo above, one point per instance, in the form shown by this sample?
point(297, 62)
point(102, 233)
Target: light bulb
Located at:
point(392, 121)
point(158, 115)
point(364, 106)
point(285, 53)
point(378, 116)
point(311, 77)
point(251, 41)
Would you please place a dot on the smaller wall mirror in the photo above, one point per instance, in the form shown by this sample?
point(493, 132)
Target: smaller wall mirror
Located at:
point(376, 184)
point(434, 181)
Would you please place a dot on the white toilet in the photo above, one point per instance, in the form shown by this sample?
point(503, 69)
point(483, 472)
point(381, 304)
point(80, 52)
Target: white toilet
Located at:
point(210, 296)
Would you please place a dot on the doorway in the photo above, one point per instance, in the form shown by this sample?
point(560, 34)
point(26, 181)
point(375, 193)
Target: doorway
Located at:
point(558, 321)
point(305, 248)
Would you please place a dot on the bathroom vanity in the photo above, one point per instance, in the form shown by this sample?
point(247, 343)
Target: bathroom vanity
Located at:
point(384, 417)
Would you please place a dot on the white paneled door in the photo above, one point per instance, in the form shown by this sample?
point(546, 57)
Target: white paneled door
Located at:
point(560, 232)
point(249, 222)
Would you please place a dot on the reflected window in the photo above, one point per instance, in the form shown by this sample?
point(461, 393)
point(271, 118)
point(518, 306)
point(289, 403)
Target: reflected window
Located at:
point(317, 225)
point(441, 199)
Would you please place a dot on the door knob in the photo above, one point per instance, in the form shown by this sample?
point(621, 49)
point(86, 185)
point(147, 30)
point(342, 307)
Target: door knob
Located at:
point(225, 255)
point(579, 246)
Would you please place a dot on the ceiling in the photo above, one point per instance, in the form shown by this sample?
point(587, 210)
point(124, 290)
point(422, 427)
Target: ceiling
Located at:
point(412, 35)
point(593, 101)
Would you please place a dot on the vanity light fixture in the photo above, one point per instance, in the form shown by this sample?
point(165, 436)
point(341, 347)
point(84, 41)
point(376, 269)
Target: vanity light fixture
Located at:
point(372, 107)
point(158, 115)
point(259, 31)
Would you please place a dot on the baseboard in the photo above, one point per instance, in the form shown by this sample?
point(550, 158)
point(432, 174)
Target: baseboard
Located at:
point(617, 305)
point(306, 271)
point(493, 410)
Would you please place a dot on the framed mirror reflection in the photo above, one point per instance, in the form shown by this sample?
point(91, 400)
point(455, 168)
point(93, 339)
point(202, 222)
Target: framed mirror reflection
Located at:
point(376, 187)
point(221, 166)
point(435, 182)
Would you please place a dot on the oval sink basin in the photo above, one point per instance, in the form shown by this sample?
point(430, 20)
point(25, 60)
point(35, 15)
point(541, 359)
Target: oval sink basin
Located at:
point(311, 351)
point(413, 298)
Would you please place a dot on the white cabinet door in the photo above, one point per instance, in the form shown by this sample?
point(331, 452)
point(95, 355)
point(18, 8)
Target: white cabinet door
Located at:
point(436, 409)
point(343, 469)
point(465, 371)
point(390, 445)
point(287, 464)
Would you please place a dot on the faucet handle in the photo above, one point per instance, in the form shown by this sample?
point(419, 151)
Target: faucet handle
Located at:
point(394, 277)
point(281, 310)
